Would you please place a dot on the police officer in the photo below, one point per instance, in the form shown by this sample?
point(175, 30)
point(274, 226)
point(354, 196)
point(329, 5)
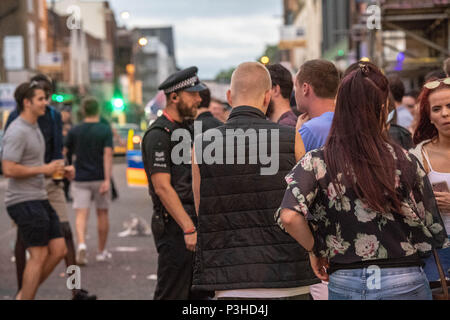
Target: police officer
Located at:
point(170, 186)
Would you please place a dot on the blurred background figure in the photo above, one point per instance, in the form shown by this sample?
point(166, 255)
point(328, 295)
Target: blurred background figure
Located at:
point(446, 66)
point(204, 114)
point(397, 88)
point(219, 110)
point(279, 109)
point(434, 74)
point(410, 101)
point(66, 117)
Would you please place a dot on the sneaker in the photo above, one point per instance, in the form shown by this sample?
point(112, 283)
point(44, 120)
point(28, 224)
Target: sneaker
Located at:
point(103, 256)
point(84, 295)
point(82, 254)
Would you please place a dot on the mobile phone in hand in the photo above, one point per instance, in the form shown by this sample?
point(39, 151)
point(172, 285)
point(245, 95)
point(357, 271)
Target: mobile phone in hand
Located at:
point(440, 187)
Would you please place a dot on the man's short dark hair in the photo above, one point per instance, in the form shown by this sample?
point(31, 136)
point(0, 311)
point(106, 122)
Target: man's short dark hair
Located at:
point(396, 87)
point(322, 76)
point(435, 74)
point(45, 81)
point(90, 107)
point(282, 77)
point(26, 91)
point(413, 93)
point(206, 98)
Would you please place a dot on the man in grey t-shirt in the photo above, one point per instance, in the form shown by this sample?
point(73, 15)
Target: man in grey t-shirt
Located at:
point(25, 145)
point(26, 198)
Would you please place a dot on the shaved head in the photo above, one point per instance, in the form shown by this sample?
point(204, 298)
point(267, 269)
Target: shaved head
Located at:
point(249, 84)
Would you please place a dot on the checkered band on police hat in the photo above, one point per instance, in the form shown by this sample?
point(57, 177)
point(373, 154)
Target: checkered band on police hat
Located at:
point(190, 82)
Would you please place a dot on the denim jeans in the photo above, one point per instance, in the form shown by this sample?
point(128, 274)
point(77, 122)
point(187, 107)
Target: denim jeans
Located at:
point(408, 283)
point(431, 268)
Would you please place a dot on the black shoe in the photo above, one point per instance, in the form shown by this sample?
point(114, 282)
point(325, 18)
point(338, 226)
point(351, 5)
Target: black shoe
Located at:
point(84, 295)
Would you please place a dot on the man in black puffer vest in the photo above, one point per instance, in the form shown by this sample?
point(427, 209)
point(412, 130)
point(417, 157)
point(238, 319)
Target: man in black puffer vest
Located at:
point(241, 253)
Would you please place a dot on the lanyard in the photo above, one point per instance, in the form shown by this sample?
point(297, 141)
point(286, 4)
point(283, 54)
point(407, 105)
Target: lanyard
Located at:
point(168, 117)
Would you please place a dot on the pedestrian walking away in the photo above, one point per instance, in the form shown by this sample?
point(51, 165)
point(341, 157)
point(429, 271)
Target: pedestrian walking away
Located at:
point(91, 144)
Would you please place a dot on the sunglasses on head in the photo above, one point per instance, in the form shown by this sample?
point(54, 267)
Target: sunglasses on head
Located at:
point(34, 84)
point(436, 83)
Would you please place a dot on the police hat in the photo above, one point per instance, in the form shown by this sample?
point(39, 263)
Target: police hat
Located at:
point(184, 80)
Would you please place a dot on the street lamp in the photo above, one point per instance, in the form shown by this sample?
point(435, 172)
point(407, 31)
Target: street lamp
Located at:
point(125, 15)
point(143, 41)
point(265, 60)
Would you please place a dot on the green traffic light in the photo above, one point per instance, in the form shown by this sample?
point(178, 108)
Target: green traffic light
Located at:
point(58, 98)
point(118, 104)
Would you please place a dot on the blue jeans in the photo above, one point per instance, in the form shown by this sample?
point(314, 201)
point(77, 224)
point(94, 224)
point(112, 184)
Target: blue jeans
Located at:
point(408, 283)
point(431, 268)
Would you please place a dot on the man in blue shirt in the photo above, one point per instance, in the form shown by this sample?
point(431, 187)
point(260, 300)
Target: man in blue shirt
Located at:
point(316, 86)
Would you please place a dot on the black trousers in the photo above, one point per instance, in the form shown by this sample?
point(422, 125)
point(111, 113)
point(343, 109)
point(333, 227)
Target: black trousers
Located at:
point(174, 264)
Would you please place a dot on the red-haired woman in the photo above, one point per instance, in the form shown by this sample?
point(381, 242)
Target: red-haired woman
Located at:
point(432, 137)
point(361, 205)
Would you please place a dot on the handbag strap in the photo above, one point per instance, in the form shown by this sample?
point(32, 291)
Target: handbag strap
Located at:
point(441, 274)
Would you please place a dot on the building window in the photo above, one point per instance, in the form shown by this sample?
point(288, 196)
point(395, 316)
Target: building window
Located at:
point(31, 45)
point(42, 40)
point(30, 5)
point(41, 9)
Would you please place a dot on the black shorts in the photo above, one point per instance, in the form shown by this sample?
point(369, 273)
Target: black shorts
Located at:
point(37, 222)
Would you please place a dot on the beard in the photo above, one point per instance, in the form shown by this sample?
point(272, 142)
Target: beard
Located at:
point(270, 109)
point(185, 111)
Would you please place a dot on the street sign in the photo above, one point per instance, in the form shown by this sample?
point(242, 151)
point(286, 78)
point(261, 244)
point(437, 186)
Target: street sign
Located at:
point(101, 70)
point(7, 100)
point(50, 60)
point(13, 56)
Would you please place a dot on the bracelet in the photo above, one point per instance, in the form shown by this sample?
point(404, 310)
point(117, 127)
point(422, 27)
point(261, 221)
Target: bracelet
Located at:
point(190, 231)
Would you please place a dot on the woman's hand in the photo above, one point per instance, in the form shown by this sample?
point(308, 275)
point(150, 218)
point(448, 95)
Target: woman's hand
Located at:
point(319, 266)
point(443, 201)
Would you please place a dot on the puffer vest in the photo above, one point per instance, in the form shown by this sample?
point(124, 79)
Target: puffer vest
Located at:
point(239, 244)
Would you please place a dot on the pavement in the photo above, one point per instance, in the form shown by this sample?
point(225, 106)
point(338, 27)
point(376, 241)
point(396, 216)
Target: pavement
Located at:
point(129, 275)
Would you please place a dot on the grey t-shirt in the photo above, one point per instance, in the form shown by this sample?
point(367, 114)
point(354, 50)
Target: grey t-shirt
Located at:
point(23, 143)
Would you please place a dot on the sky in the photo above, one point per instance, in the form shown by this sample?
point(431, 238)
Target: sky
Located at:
point(210, 34)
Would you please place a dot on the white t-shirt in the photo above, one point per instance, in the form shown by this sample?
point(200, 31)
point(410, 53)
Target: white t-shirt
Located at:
point(262, 293)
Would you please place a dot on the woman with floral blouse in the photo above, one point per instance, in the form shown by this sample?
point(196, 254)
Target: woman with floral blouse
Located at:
point(361, 205)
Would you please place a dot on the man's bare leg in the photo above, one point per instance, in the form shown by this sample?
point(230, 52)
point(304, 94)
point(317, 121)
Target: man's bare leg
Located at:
point(103, 228)
point(57, 250)
point(81, 223)
point(32, 273)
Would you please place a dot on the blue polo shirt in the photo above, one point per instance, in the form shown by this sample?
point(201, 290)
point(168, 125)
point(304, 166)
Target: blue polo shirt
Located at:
point(315, 132)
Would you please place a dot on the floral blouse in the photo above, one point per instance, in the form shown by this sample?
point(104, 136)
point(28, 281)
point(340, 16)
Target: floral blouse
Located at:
point(346, 231)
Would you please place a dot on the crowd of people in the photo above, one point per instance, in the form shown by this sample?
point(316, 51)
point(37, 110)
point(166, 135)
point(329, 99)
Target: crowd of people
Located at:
point(362, 182)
